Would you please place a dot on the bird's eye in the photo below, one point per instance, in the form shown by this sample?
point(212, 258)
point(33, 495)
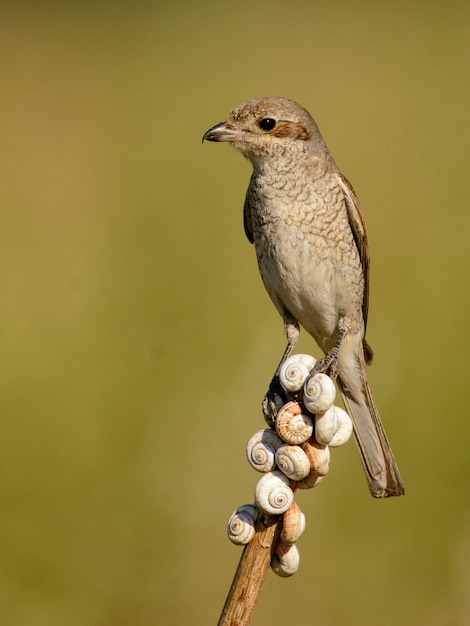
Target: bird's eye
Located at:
point(267, 123)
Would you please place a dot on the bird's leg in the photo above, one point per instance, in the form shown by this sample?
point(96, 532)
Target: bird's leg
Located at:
point(329, 363)
point(275, 388)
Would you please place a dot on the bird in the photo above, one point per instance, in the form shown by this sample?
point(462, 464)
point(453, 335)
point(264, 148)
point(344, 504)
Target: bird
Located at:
point(304, 219)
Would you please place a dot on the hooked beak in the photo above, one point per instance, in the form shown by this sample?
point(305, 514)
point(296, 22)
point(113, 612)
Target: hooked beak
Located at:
point(221, 132)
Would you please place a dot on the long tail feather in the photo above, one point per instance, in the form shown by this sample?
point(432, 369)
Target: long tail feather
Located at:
point(382, 473)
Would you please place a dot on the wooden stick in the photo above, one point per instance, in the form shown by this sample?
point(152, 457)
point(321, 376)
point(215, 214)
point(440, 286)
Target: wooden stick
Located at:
point(251, 572)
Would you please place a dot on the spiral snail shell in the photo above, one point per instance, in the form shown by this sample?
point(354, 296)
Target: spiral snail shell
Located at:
point(292, 425)
point(295, 371)
point(326, 425)
point(310, 481)
point(273, 494)
point(345, 428)
point(293, 524)
point(292, 461)
point(241, 525)
point(261, 448)
point(319, 393)
point(286, 560)
point(318, 455)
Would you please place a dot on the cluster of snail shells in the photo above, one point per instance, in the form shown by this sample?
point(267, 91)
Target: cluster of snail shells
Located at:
point(294, 455)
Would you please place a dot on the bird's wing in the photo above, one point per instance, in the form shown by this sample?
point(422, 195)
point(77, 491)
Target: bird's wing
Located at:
point(247, 217)
point(358, 227)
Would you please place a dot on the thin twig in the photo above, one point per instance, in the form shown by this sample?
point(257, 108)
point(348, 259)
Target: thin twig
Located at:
point(251, 572)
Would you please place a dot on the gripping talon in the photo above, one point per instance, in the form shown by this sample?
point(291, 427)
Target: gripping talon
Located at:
point(274, 396)
point(328, 364)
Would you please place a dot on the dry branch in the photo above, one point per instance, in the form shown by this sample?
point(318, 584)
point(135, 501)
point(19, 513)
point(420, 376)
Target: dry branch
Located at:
point(251, 572)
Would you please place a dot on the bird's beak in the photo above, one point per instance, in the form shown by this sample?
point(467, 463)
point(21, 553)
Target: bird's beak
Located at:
point(222, 132)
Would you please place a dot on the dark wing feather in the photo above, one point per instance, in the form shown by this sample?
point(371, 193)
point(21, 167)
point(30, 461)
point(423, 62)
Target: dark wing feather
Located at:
point(358, 227)
point(247, 217)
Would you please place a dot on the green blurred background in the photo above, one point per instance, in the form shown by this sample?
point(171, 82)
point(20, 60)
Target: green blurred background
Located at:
point(137, 340)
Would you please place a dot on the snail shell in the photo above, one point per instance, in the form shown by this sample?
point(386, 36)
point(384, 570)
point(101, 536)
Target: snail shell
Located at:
point(318, 455)
point(293, 524)
point(310, 481)
point(292, 461)
point(345, 428)
point(241, 525)
point(292, 425)
point(326, 425)
point(295, 371)
point(273, 494)
point(260, 450)
point(319, 393)
point(286, 560)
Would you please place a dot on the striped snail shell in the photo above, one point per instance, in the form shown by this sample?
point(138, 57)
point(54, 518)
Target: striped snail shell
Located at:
point(319, 393)
point(273, 494)
point(345, 428)
point(292, 461)
point(293, 425)
point(326, 425)
point(286, 559)
point(293, 524)
point(318, 455)
point(241, 525)
point(261, 448)
point(295, 371)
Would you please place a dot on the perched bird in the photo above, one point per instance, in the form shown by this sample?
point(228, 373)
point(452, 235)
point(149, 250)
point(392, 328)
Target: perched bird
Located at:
point(303, 217)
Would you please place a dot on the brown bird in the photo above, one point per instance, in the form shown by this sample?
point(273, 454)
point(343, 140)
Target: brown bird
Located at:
point(304, 219)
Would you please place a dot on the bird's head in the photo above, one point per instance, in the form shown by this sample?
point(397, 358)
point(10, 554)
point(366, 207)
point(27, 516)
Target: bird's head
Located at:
point(270, 129)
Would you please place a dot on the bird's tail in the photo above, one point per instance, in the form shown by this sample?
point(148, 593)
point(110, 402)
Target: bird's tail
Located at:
point(383, 476)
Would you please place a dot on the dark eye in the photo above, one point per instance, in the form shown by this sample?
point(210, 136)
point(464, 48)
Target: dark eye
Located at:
point(267, 123)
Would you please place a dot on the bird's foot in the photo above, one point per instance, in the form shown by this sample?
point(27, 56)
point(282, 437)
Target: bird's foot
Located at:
point(328, 364)
point(275, 396)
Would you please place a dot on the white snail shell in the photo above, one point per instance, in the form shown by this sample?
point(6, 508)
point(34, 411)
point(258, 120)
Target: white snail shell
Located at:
point(318, 455)
point(310, 481)
point(295, 370)
point(241, 525)
point(292, 461)
point(326, 425)
point(292, 425)
point(319, 393)
point(286, 559)
point(260, 450)
point(345, 428)
point(273, 494)
point(293, 524)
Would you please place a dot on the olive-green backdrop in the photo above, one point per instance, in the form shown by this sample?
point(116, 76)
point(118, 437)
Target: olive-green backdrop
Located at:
point(137, 340)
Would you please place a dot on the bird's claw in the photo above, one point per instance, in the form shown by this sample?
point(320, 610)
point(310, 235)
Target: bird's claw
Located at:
point(328, 364)
point(275, 396)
